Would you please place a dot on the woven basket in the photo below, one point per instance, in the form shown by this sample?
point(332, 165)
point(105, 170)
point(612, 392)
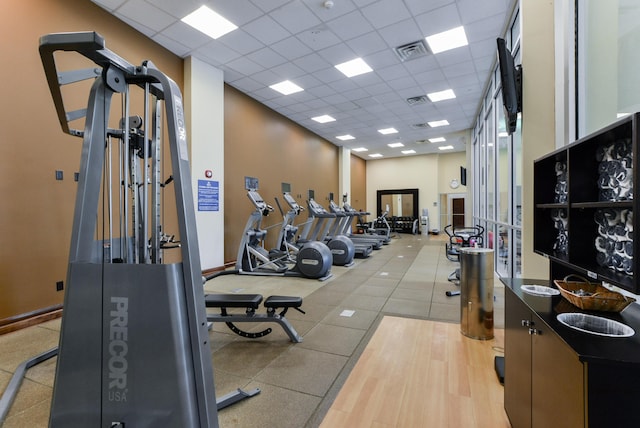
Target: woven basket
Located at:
point(599, 298)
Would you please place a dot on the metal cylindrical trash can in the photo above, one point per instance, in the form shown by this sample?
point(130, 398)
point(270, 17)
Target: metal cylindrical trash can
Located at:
point(476, 293)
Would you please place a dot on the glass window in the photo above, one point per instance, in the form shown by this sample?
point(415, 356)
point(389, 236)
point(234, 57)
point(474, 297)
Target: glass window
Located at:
point(491, 171)
point(497, 161)
point(516, 144)
point(481, 187)
point(608, 62)
point(503, 165)
point(515, 31)
point(501, 252)
point(517, 254)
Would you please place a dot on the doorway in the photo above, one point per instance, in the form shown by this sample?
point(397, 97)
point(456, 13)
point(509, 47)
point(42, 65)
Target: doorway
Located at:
point(452, 209)
point(457, 209)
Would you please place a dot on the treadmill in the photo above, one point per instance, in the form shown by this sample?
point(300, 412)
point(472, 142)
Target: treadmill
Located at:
point(341, 227)
point(384, 237)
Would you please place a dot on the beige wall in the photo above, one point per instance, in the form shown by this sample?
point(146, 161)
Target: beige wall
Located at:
point(37, 210)
point(430, 174)
point(538, 117)
point(261, 143)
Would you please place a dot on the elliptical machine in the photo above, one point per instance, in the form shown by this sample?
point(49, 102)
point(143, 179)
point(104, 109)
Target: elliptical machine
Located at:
point(342, 248)
point(313, 259)
point(287, 238)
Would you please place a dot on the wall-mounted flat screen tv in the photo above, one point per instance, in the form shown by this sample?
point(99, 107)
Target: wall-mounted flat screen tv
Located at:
point(511, 77)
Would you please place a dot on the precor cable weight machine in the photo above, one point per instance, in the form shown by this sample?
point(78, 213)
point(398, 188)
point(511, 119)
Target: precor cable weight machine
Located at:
point(134, 346)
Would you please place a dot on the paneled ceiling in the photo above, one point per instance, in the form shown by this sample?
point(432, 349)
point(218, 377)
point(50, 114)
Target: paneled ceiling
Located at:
point(303, 40)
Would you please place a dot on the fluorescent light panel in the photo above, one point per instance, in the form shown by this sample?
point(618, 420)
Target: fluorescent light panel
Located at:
point(447, 94)
point(394, 145)
point(354, 67)
point(360, 149)
point(445, 147)
point(323, 119)
point(437, 140)
point(447, 40)
point(408, 152)
point(209, 22)
point(375, 155)
point(345, 137)
point(387, 131)
point(436, 123)
point(286, 87)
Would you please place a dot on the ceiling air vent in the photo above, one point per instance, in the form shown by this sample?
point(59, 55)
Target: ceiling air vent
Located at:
point(420, 99)
point(411, 50)
point(421, 126)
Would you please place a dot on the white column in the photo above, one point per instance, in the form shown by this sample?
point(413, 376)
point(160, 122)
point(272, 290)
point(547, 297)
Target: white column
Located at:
point(344, 174)
point(204, 107)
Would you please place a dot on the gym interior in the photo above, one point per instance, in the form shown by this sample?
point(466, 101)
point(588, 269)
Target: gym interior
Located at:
point(334, 319)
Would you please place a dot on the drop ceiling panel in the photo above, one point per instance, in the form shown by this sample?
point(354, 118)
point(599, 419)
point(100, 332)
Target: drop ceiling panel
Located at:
point(267, 30)
point(385, 12)
point(146, 14)
point(295, 17)
point(438, 20)
point(301, 40)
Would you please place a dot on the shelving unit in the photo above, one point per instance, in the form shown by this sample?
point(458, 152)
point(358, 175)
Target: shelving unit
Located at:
point(600, 180)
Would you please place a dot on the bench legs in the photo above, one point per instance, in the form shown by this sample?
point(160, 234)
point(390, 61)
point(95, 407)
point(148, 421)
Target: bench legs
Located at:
point(232, 319)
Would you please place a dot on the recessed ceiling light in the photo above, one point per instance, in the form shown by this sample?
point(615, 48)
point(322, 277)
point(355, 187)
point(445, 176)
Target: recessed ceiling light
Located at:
point(408, 152)
point(447, 94)
point(445, 147)
point(447, 40)
point(323, 119)
point(394, 145)
point(387, 131)
point(287, 87)
point(437, 123)
point(375, 155)
point(209, 22)
point(345, 137)
point(437, 140)
point(360, 149)
point(354, 67)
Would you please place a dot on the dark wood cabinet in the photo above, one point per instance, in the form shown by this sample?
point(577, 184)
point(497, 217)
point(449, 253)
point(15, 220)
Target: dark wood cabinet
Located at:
point(558, 377)
point(584, 209)
point(543, 376)
point(576, 190)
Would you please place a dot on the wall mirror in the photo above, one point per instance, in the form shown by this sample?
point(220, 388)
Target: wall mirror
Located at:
point(398, 202)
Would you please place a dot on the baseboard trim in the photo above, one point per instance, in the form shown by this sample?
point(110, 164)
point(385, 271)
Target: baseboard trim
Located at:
point(29, 319)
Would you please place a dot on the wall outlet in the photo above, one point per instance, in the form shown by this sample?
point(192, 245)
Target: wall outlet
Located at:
point(59, 285)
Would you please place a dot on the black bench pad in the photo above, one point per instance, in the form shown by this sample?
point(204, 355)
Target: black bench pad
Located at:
point(233, 300)
point(283, 302)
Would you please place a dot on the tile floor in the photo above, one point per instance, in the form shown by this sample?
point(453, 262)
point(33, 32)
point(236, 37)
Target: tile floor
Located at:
point(298, 382)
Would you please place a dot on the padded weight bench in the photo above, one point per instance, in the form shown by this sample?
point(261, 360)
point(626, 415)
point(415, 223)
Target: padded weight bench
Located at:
point(251, 302)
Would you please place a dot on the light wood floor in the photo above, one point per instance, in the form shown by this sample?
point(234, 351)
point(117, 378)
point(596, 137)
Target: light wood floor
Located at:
point(416, 373)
